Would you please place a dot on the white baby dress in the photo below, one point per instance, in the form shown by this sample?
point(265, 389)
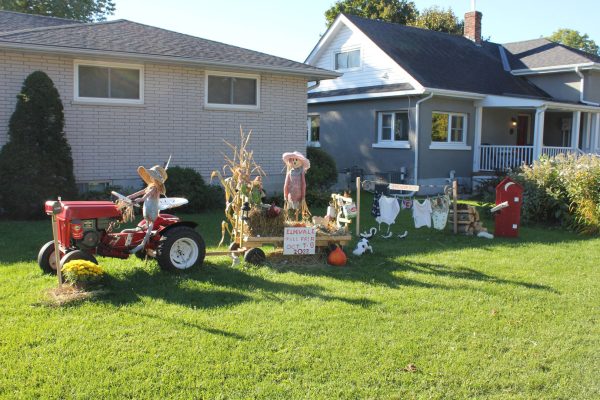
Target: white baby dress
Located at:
point(422, 213)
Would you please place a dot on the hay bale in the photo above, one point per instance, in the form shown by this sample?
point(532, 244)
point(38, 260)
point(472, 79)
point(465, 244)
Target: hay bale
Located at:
point(261, 225)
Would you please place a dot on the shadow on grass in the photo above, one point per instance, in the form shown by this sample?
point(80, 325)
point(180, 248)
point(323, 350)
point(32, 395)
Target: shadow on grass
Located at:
point(210, 287)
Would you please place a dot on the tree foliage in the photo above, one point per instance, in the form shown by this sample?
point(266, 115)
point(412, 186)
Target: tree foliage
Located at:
point(439, 19)
point(36, 163)
point(81, 10)
point(397, 11)
point(572, 38)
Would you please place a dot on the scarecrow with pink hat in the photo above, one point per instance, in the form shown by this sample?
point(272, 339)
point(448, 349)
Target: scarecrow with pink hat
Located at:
point(294, 188)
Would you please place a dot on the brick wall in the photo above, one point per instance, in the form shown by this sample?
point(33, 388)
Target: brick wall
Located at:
point(109, 141)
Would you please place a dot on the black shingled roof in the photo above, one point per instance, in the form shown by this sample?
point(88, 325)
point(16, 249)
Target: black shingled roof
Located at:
point(15, 21)
point(442, 61)
point(134, 39)
point(539, 53)
point(361, 90)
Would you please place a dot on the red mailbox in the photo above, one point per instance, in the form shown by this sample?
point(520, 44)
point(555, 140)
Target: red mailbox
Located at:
point(509, 197)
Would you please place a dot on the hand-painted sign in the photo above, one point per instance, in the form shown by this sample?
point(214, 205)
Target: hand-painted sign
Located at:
point(299, 240)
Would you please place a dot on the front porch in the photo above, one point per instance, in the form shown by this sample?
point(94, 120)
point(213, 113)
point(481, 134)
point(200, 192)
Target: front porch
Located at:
point(508, 137)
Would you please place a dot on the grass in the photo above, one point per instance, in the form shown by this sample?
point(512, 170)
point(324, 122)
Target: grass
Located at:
point(486, 319)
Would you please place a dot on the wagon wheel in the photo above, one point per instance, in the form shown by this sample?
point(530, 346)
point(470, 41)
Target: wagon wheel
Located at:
point(255, 256)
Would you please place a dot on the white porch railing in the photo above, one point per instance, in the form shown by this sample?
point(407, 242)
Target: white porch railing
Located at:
point(553, 151)
point(501, 158)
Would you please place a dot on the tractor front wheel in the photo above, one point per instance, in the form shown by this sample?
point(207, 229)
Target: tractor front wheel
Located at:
point(46, 259)
point(77, 255)
point(180, 248)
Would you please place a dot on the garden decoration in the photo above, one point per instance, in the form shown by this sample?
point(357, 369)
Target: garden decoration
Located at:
point(252, 224)
point(337, 257)
point(294, 188)
point(361, 247)
point(89, 228)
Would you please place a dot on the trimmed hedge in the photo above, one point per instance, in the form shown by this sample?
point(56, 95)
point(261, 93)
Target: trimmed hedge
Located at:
point(187, 183)
point(321, 176)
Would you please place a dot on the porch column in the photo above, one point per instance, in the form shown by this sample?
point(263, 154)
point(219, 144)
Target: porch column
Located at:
point(538, 133)
point(477, 138)
point(575, 130)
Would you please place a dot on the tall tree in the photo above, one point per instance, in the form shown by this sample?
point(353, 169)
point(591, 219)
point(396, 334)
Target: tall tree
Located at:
point(439, 19)
point(397, 11)
point(36, 163)
point(572, 38)
point(81, 10)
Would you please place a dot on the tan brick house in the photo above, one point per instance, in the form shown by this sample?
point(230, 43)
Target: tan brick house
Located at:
point(133, 94)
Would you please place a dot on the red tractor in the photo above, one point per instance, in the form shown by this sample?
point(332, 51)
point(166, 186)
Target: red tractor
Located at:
point(87, 228)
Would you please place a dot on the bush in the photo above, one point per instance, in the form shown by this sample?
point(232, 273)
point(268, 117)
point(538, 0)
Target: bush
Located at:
point(36, 163)
point(187, 183)
point(563, 190)
point(99, 195)
point(321, 176)
point(82, 272)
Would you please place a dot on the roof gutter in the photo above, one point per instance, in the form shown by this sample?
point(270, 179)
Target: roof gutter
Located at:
point(555, 69)
point(454, 93)
point(582, 86)
point(416, 174)
point(310, 75)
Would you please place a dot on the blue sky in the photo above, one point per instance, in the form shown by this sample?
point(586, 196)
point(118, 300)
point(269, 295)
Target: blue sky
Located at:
point(290, 29)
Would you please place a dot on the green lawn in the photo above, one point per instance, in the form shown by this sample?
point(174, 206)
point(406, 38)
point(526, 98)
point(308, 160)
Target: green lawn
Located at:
point(486, 319)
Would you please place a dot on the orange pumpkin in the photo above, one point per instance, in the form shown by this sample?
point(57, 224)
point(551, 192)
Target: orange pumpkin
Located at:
point(337, 257)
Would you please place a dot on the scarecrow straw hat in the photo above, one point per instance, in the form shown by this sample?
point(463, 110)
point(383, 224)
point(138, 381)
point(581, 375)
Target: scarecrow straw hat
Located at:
point(156, 175)
point(296, 154)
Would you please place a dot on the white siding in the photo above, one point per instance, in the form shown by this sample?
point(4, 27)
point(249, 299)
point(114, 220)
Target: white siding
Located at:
point(375, 64)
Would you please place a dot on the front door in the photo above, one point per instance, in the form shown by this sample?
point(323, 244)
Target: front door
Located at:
point(523, 130)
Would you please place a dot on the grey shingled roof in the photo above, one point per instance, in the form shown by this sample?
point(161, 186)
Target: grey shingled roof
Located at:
point(443, 61)
point(131, 39)
point(539, 53)
point(15, 21)
point(361, 90)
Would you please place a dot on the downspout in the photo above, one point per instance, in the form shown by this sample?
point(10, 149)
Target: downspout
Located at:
point(581, 99)
point(316, 85)
point(416, 177)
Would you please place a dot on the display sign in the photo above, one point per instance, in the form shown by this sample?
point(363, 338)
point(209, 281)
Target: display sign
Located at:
point(299, 240)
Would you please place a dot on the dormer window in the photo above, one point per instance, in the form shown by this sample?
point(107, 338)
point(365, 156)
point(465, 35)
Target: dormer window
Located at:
point(347, 59)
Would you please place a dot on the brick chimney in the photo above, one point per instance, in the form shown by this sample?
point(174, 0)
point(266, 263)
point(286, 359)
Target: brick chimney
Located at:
point(472, 30)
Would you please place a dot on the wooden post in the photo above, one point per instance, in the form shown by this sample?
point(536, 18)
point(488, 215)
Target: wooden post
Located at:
point(357, 205)
point(56, 251)
point(454, 205)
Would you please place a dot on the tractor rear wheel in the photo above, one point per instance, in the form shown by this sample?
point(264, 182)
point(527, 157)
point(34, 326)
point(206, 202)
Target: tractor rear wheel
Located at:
point(77, 255)
point(46, 259)
point(180, 248)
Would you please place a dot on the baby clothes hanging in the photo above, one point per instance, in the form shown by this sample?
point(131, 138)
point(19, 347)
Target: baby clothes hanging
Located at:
point(422, 213)
point(375, 212)
point(388, 210)
point(406, 204)
point(440, 208)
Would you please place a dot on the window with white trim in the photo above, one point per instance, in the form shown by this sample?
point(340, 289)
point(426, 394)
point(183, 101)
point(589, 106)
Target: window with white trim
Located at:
point(108, 82)
point(313, 130)
point(232, 90)
point(347, 59)
point(449, 128)
point(392, 127)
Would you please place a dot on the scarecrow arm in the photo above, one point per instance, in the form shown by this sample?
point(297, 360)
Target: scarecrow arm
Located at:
point(136, 194)
point(286, 186)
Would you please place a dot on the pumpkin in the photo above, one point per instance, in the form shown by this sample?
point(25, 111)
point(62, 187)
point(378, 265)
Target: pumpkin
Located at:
point(337, 257)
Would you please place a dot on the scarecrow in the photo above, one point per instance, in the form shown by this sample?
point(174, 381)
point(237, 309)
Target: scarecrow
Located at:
point(154, 178)
point(294, 189)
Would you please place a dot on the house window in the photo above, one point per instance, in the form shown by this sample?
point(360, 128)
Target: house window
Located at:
point(449, 128)
point(232, 91)
point(313, 126)
point(392, 129)
point(108, 82)
point(347, 59)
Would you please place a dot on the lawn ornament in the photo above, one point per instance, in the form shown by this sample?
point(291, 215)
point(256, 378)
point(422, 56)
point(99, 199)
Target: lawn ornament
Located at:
point(361, 247)
point(294, 188)
point(337, 257)
point(368, 234)
point(388, 235)
point(404, 235)
point(88, 228)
